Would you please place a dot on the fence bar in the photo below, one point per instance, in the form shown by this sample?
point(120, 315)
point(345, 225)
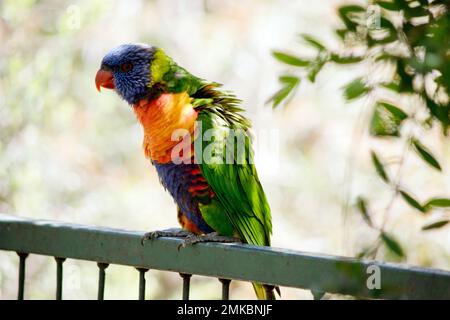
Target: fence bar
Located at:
point(306, 270)
point(270, 294)
point(59, 277)
point(101, 280)
point(21, 290)
point(186, 285)
point(317, 295)
point(142, 272)
point(225, 288)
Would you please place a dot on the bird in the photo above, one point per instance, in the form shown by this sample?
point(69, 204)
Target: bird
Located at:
point(208, 168)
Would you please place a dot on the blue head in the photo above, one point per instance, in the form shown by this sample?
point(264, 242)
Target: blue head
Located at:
point(126, 69)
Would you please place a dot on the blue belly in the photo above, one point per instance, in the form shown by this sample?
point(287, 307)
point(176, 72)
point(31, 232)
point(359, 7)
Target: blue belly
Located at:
point(177, 178)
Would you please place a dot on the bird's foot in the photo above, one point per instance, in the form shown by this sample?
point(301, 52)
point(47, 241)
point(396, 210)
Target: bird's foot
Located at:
point(209, 237)
point(173, 233)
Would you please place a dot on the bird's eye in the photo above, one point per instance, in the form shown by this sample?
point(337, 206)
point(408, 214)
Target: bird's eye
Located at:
point(126, 67)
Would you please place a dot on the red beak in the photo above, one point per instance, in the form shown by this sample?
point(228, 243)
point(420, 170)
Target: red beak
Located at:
point(104, 79)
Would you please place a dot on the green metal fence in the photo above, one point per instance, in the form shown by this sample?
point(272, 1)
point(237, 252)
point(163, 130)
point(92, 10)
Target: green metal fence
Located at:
point(272, 266)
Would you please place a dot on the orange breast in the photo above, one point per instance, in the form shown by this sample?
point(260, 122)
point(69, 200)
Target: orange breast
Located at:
point(164, 120)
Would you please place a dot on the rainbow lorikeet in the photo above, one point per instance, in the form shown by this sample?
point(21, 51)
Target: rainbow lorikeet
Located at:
point(216, 200)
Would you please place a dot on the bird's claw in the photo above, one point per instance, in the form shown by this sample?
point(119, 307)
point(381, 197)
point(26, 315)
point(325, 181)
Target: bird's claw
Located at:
point(150, 236)
point(174, 233)
point(209, 237)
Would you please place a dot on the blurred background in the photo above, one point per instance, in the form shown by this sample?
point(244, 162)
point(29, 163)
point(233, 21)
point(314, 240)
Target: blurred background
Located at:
point(68, 153)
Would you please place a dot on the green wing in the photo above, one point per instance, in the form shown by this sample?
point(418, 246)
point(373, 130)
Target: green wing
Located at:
point(229, 170)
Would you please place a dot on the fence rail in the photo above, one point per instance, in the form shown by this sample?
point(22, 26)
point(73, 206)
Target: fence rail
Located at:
point(273, 266)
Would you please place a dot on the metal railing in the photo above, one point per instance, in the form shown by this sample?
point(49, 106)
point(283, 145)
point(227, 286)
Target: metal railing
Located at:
point(272, 266)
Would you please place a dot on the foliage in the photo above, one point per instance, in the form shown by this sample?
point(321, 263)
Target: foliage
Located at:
point(412, 39)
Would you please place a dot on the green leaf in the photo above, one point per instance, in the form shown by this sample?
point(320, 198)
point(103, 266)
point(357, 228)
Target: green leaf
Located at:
point(342, 33)
point(417, 11)
point(391, 36)
point(288, 79)
point(440, 112)
point(289, 84)
point(351, 8)
point(355, 89)
point(313, 42)
point(382, 33)
point(380, 125)
point(392, 244)
point(379, 167)
point(290, 59)
point(412, 202)
point(425, 154)
point(386, 24)
point(406, 79)
point(435, 225)
point(386, 120)
point(345, 13)
point(316, 67)
point(438, 202)
point(398, 113)
point(391, 86)
point(345, 59)
point(384, 56)
point(280, 95)
point(388, 5)
point(362, 206)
